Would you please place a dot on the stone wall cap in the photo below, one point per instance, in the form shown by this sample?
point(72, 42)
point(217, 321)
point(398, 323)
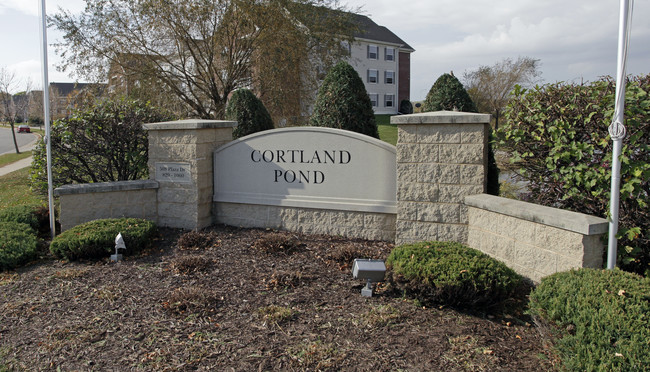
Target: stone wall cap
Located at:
point(190, 124)
point(562, 219)
point(441, 117)
point(86, 188)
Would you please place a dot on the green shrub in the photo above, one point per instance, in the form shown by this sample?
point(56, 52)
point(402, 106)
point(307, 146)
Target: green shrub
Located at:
point(343, 102)
point(450, 273)
point(249, 113)
point(18, 244)
point(101, 143)
point(558, 140)
point(603, 318)
point(406, 107)
point(447, 93)
point(96, 239)
point(21, 213)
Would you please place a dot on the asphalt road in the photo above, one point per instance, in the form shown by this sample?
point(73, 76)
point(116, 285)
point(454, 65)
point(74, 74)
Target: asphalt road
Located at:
point(7, 142)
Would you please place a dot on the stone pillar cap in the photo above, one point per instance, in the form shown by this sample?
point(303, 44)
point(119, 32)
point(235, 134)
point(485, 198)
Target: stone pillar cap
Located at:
point(441, 117)
point(190, 124)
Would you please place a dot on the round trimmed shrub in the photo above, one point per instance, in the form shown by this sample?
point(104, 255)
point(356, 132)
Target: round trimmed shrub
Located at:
point(448, 93)
point(21, 213)
point(18, 244)
point(602, 318)
point(96, 239)
point(450, 273)
point(249, 113)
point(343, 102)
point(406, 107)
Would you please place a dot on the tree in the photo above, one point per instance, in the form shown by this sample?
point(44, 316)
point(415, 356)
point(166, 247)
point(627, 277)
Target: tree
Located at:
point(8, 109)
point(447, 93)
point(249, 113)
point(343, 102)
point(558, 140)
point(105, 142)
point(200, 51)
point(490, 86)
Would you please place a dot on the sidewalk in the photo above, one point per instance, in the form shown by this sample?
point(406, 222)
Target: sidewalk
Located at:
point(20, 164)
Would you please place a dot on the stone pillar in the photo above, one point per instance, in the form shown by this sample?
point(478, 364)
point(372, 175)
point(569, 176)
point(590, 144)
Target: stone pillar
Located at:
point(441, 158)
point(180, 159)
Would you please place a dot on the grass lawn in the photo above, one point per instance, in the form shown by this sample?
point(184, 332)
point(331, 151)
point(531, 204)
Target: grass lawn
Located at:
point(11, 158)
point(15, 190)
point(387, 131)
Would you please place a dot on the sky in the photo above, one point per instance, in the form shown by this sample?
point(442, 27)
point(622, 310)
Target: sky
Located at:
point(574, 40)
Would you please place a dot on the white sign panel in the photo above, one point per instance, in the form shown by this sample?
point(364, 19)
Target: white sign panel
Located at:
point(173, 172)
point(307, 167)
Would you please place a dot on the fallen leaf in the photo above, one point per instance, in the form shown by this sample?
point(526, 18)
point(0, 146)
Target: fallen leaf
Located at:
point(621, 293)
point(488, 352)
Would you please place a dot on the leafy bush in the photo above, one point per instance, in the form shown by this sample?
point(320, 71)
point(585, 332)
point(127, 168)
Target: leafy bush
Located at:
point(343, 102)
point(447, 93)
point(249, 113)
point(18, 244)
point(21, 213)
point(104, 142)
point(450, 273)
point(557, 137)
point(96, 239)
point(406, 107)
point(602, 318)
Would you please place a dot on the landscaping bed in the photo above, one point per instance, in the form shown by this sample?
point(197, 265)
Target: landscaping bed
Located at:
point(247, 300)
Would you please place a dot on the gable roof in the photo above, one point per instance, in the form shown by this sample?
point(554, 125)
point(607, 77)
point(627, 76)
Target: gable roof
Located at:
point(67, 88)
point(369, 30)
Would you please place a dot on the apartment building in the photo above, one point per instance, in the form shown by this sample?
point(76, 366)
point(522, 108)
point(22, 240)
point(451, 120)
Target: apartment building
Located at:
point(383, 61)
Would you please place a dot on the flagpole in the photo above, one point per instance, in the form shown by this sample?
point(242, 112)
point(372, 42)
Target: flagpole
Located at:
point(617, 128)
point(46, 116)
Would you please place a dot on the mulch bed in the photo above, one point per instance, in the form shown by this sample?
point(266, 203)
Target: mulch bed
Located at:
point(244, 300)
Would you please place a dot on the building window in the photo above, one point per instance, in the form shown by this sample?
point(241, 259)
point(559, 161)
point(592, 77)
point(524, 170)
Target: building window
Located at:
point(373, 76)
point(389, 77)
point(389, 100)
point(389, 54)
point(373, 52)
point(347, 48)
point(373, 99)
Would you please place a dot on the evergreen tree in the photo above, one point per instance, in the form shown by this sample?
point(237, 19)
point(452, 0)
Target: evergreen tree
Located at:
point(447, 93)
point(343, 102)
point(249, 113)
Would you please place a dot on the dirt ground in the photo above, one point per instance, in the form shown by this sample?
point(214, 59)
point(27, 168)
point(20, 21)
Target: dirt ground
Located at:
point(244, 300)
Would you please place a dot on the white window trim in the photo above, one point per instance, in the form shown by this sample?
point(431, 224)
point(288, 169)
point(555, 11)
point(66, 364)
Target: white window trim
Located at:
point(386, 54)
point(376, 103)
point(386, 77)
point(376, 53)
point(386, 100)
point(376, 76)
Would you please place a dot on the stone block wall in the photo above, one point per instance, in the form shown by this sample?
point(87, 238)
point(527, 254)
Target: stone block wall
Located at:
point(352, 224)
point(441, 158)
point(534, 240)
point(82, 203)
point(186, 203)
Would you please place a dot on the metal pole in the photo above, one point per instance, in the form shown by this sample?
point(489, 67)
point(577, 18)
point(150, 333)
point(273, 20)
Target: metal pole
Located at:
point(46, 115)
point(617, 129)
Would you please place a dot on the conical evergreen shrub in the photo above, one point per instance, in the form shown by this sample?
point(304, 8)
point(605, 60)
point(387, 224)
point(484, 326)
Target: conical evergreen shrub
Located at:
point(447, 93)
point(249, 112)
point(343, 102)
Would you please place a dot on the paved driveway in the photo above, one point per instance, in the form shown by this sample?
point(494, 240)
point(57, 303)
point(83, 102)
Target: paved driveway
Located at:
point(7, 142)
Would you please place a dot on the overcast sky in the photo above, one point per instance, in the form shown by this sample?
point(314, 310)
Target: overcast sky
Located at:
point(574, 39)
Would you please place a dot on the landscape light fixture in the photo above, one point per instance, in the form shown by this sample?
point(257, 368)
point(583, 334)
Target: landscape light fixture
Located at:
point(371, 270)
point(119, 244)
